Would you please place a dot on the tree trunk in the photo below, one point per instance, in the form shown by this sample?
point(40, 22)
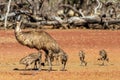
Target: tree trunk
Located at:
point(8, 9)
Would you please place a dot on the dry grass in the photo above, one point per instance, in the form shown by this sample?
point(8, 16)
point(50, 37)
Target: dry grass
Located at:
point(72, 41)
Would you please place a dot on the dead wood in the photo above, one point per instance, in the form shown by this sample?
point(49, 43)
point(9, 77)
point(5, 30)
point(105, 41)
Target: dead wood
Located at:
point(77, 21)
point(72, 8)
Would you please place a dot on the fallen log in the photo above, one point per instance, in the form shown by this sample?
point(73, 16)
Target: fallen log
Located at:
point(80, 21)
point(76, 20)
point(114, 22)
point(91, 20)
point(2, 17)
point(84, 20)
point(45, 23)
point(41, 24)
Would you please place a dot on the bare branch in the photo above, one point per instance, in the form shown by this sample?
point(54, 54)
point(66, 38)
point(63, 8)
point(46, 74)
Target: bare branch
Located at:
point(8, 9)
point(95, 12)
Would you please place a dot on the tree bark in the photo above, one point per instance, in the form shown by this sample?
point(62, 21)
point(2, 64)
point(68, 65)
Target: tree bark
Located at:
point(8, 9)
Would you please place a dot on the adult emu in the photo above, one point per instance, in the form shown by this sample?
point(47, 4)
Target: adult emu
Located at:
point(39, 40)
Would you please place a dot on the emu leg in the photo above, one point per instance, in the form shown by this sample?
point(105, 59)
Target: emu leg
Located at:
point(39, 60)
point(103, 63)
point(46, 60)
point(57, 61)
point(48, 55)
point(49, 60)
point(64, 61)
point(35, 65)
point(39, 63)
point(85, 63)
point(50, 64)
point(107, 59)
point(64, 64)
point(82, 62)
point(26, 66)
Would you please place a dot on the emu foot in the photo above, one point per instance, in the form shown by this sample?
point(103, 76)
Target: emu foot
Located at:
point(63, 69)
point(82, 64)
point(102, 64)
point(39, 69)
point(86, 64)
point(50, 69)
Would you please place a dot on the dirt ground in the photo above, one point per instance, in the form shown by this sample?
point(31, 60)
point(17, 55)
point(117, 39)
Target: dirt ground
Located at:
point(72, 41)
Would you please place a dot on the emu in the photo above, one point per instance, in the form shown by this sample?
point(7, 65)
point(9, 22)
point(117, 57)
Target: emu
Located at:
point(103, 56)
point(39, 40)
point(63, 59)
point(32, 58)
point(82, 58)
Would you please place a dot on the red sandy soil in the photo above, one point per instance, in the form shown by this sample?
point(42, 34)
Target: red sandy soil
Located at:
point(72, 41)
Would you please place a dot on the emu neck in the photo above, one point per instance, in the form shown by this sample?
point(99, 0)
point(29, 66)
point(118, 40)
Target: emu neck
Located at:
point(18, 29)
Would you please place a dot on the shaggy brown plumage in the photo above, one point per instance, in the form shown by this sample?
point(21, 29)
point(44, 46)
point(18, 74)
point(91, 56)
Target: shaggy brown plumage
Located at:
point(36, 39)
point(32, 58)
point(39, 40)
point(103, 56)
